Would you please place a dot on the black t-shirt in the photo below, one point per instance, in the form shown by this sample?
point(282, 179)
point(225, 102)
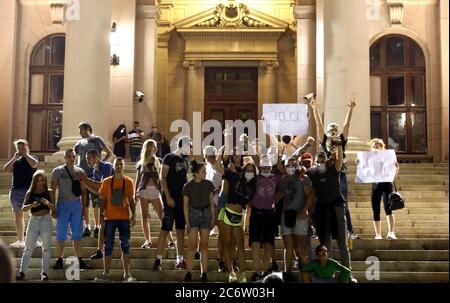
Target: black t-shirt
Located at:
point(22, 174)
point(233, 181)
point(35, 197)
point(177, 175)
point(119, 148)
point(327, 187)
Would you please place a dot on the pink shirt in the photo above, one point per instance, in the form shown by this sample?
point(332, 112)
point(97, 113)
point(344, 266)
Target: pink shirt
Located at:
point(266, 188)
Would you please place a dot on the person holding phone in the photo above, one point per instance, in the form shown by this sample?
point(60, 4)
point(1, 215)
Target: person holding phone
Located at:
point(38, 201)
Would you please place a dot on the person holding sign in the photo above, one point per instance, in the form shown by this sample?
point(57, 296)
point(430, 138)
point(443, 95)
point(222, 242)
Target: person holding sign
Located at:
point(382, 189)
point(329, 141)
point(330, 205)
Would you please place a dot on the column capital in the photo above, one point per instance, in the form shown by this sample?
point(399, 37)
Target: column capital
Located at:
point(305, 11)
point(269, 65)
point(148, 12)
point(191, 64)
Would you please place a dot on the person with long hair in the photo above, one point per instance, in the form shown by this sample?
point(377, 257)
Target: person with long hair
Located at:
point(231, 214)
point(199, 210)
point(37, 199)
point(382, 189)
point(148, 187)
point(120, 138)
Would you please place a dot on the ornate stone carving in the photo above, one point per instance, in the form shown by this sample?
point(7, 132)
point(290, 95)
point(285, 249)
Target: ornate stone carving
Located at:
point(57, 13)
point(191, 64)
point(231, 16)
point(269, 65)
point(396, 12)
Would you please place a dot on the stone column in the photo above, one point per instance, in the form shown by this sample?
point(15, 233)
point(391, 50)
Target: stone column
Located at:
point(306, 56)
point(444, 78)
point(8, 49)
point(191, 95)
point(346, 67)
point(270, 93)
point(86, 72)
point(145, 112)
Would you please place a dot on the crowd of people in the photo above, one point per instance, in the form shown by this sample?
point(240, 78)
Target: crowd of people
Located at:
point(278, 191)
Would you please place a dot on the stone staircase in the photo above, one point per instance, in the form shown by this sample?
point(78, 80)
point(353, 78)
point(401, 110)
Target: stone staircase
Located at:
point(420, 254)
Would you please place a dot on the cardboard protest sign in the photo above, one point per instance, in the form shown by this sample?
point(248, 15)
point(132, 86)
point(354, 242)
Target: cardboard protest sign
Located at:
point(376, 166)
point(286, 119)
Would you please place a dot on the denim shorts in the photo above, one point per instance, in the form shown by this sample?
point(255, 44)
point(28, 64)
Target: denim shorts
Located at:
point(301, 228)
point(200, 218)
point(69, 212)
point(16, 197)
point(124, 235)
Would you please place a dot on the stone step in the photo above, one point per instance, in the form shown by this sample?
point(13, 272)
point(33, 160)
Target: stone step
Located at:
point(359, 229)
point(405, 194)
point(177, 276)
point(404, 187)
point(415, 244)
point(357, 255)
point(169, 264)
point(155, 224)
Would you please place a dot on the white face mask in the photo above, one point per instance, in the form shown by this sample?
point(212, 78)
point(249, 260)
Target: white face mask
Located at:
point(321, 167)
point(290, 171)
point(266, 174)
point(249, 176)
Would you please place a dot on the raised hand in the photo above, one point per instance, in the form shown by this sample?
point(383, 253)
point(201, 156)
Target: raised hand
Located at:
point(311, 140)
point(352, 103)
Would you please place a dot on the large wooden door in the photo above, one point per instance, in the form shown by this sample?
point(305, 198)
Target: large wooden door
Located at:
point(231, 93)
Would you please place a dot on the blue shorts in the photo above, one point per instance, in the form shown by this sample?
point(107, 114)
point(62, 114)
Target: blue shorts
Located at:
point(16, 196)
point(124, 235)
point(69, 212)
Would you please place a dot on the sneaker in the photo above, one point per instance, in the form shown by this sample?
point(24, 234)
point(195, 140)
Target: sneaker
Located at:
point(221, 266)
point(96, 233)
point(232, 278)
point(17, 244)
point(102, 278)
point(197, 256)
point(235, 267)
point(180, 265)
point(172, 245)
point(87, 232)
point(204, 278)
point(58, 264)
point(84, 265)
point(378, 237)
point(297, 264)
point(391, 236)
point(44, 277)
point(157, 265)
point(353, 280)
point(242, 278)
point(353, 236)
point(188, 277)
point(20, 276)
point(129, 278)
point(38, 244)
point(98, 255)
point(255, 277)
point(214, 232)
point(146, 244)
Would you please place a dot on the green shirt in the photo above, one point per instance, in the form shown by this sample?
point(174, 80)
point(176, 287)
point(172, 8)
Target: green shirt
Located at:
point(328, 271)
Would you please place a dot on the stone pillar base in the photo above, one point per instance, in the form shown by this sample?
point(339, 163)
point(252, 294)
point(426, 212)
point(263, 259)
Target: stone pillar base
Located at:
point(64, 144)
point(354, 145)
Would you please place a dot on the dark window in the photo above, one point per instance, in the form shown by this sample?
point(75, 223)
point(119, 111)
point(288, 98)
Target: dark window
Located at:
point(46, 94)
point(400, 118)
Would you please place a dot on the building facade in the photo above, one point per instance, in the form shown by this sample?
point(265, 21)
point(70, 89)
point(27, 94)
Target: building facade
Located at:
point(81, 60)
